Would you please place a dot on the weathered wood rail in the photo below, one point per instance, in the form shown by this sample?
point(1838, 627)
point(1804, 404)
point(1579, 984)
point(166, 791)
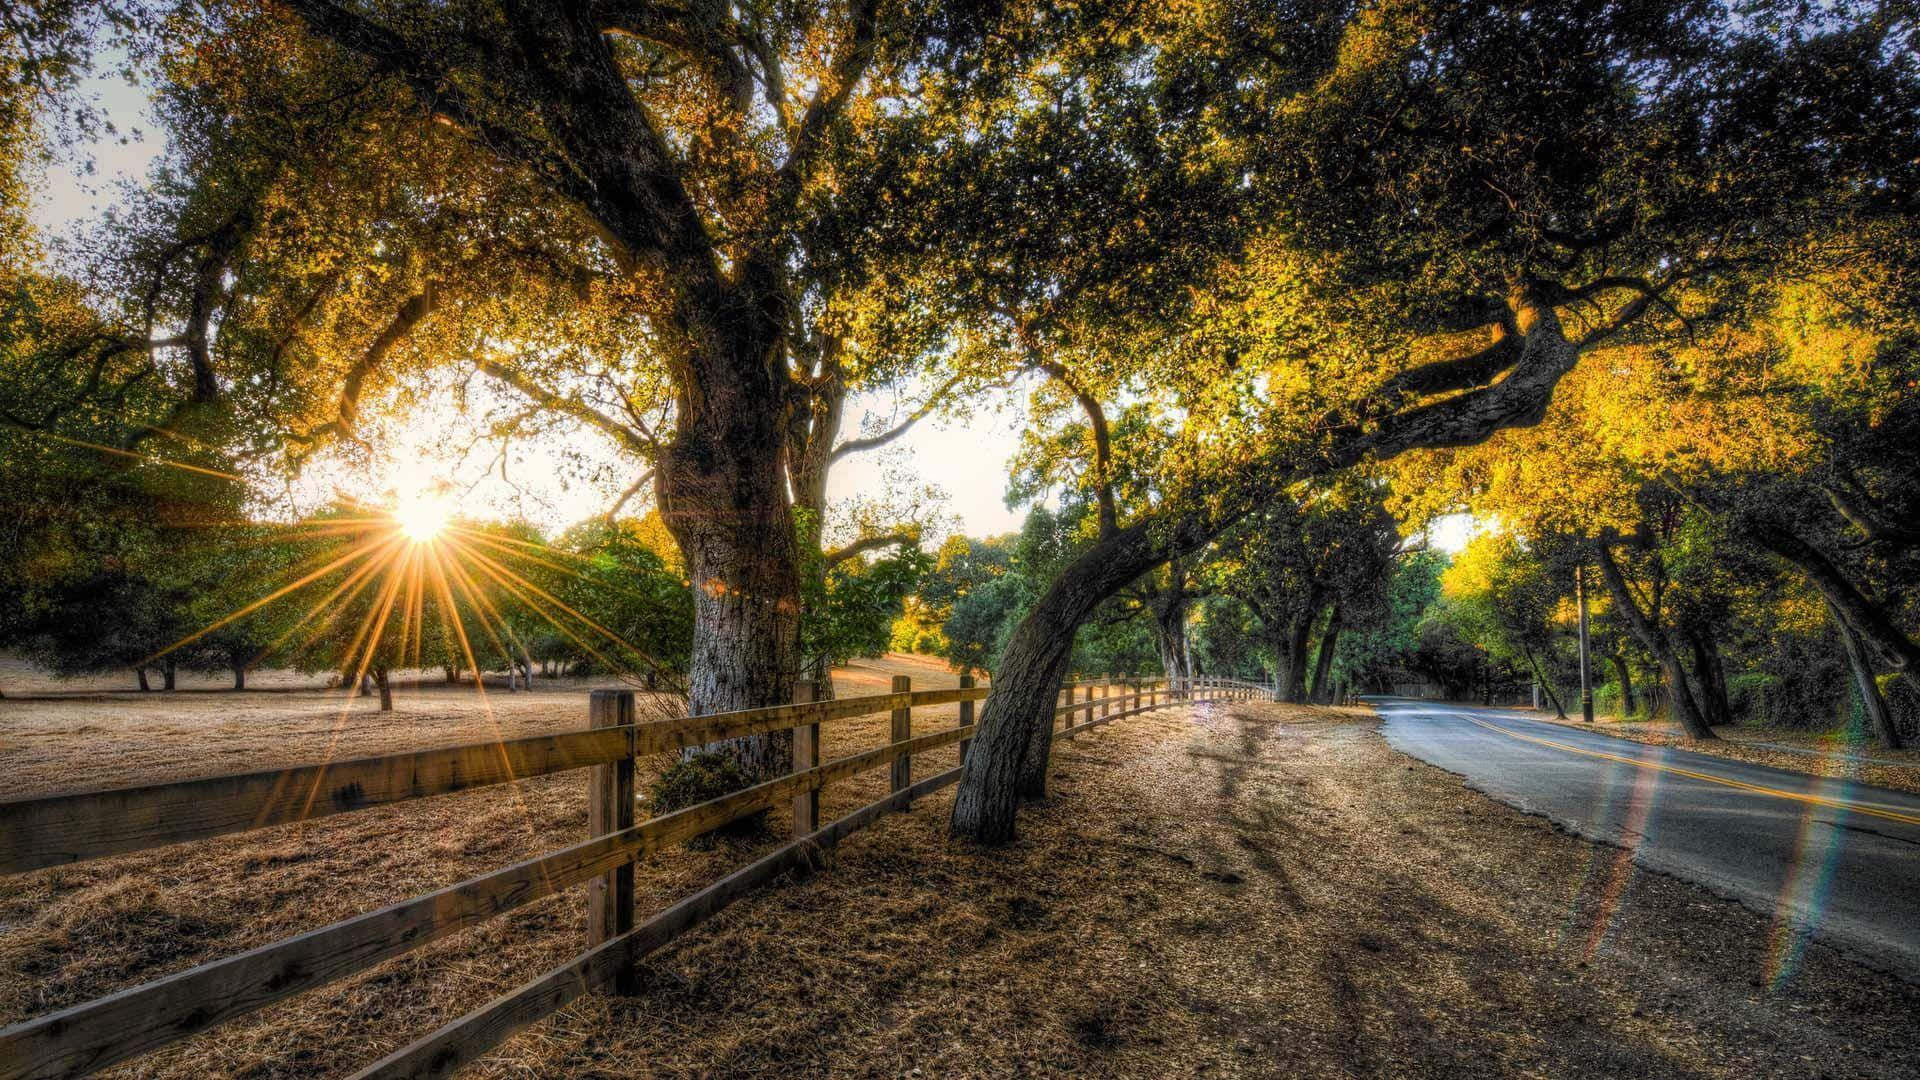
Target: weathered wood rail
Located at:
point(84, 1038)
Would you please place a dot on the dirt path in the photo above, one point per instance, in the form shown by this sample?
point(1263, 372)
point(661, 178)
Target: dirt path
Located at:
point(1250, 890)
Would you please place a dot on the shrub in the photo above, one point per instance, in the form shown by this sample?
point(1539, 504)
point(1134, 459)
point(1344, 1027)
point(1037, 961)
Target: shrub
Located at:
point(699, 778)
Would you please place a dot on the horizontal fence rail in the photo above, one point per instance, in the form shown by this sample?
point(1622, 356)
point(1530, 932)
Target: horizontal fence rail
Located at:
point(92, 1035)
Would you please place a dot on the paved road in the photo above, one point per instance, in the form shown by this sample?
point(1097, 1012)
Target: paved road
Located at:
point(1837, 858)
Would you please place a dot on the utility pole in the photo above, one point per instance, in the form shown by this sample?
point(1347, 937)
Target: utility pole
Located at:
point(1586, 669)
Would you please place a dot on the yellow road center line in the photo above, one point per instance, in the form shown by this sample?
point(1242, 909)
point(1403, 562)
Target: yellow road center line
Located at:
point(1757, 789)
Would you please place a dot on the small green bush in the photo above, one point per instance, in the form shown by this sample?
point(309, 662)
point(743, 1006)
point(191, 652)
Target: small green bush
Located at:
point(699, 778)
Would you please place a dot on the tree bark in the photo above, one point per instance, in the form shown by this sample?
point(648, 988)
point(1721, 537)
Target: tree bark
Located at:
point(1709, 677)
point(1625, 675)
point(1170, 629)
point(1278, 642)
point(724, 496)
point(1298, 638)
point(1871, 698)
point(1323, 664)
point(239, 676)
point(1008, 758)
point(1685, 707)
point(386, 689)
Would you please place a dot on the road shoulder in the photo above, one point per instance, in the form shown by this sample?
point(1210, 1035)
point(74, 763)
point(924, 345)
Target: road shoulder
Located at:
point(1810, 753)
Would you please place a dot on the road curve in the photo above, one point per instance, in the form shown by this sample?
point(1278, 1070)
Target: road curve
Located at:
point(1829, 857)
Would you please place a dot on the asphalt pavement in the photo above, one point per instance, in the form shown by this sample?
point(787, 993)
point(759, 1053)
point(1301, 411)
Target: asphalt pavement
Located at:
point(1827, 857)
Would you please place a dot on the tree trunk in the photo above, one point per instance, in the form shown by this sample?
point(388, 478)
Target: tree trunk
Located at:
point(1008, 758)
point(386, 689)
point(1297, 640)
point(239, 676)
point(1655, 640)
point(1323, 664)
point(141, 674)
point(1170, 608)
point(1033, 662)
point(1625, 675)
point(452, 673)
point(1709, 678)
point(1871, 698)
point(1540, 677)
point(723, 494)
point(1868, 621)
point(169, 675)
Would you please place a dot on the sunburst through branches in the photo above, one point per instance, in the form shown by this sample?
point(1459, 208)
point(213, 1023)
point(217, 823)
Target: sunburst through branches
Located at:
point(366, 591)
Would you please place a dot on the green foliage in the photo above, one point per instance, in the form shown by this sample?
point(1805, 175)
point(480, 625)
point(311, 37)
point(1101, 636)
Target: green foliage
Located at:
point(1381, 653)
point(1227, 638)
point(698, 778)
point(982, 619)
point(852, 611)
point(616, 575)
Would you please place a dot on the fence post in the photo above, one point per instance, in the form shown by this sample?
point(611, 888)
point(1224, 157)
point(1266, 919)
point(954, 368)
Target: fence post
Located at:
point(1064, 697)
point(610, 809)
point(1106, 695)
point(806, 754)
point(902, 730)
point(1088, 697)
point(966, 716)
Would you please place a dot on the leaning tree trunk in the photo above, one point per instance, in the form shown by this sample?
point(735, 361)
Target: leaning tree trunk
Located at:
point(1625, 675)
point(1323, 664)
point(1540, 676)
point(1871, 699)
point(1685, 707)
point(1008, 757)
point(1028, 676)
point(724, 496)
point(141, 674)
point(1868, 620)
point(1707, 675)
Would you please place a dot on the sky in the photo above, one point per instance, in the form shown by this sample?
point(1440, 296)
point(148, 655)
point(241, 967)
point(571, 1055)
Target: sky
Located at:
point(965, 459)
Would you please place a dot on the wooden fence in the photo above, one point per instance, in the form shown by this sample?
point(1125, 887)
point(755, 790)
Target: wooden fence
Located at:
point(83, 1038)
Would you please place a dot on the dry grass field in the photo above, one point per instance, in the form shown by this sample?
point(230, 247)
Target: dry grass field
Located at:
point(1239, 889)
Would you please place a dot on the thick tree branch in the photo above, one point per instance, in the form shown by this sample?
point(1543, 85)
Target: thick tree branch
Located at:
point(920, 412)
point(699, 33)
point(1109, 515)
point(568, 405)
point(849, 65)
point(1871, 526)
point(347, 410)
point(434, 89)
point(1866, 618)
point(633, 489)
point(839, 555)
